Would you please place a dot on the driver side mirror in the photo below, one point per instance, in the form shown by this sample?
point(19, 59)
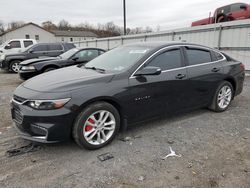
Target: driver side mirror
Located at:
point(148, 71)
point(75, 58)
point(7, 47)
point(243, 7)
point(31, 51)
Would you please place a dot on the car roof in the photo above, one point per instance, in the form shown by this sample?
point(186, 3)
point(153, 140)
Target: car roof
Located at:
point(154, 45)
point(78, 48)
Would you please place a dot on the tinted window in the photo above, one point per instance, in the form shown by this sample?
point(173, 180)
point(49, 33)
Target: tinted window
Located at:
point(236, 7)
point(40, 48)
point(218, 56)
point(223, 10)
point(55, 47)
point(197, 56)
point(167, 60)
point(15, 44)
point(27, 43)
point(101, 52)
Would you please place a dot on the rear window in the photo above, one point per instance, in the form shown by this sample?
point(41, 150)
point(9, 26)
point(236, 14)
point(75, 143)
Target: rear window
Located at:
point(198, 56)
point(40, 48)
point(55, 47)
point(27, 43)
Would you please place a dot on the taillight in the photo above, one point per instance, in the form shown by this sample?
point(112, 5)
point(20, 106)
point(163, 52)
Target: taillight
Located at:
point(242, 66)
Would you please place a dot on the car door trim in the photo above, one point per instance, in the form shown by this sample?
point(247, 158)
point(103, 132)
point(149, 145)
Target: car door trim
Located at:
point(189, 66)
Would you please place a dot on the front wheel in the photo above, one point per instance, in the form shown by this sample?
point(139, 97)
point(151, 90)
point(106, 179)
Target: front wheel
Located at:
point(223, 97)
point(96, 126)
point(14, 66)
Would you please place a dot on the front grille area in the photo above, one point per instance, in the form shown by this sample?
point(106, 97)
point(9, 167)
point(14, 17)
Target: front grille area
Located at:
point(19, 99)
point(17, 116)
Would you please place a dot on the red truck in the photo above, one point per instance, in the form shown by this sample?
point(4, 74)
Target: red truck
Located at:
point(236, 11)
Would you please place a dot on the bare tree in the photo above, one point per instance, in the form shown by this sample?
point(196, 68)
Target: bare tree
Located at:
point(15, 25)
point(49, 25)
point(64, 25)
point(1, 27)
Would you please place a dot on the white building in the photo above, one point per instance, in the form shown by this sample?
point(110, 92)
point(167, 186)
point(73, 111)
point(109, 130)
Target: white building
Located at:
point(33, 31)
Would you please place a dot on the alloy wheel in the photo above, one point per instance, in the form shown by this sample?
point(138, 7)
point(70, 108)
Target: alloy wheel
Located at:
point(224, 97)
point(15, 67)
point(99, 127)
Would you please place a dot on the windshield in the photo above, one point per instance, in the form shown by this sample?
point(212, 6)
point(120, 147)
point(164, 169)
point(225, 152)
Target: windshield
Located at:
point(118, 59)
point(69, 53)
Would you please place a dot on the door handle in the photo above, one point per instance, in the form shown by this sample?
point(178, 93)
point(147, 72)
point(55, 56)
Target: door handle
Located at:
point(180, 76)
point(215, 69)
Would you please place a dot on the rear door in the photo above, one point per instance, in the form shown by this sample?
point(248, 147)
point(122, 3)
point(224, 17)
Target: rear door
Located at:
point(204, 72)
point(159, 94)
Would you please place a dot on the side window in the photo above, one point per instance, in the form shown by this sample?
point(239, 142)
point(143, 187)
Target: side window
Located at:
point(40, 48)
point(55, 47)
point(198, 56)
point(27, 43)
point(168, 60)
point(236, 7)
point(223, 10)
point(218, 56)
point(101, 52)
point(15, 44)
point(87, 54)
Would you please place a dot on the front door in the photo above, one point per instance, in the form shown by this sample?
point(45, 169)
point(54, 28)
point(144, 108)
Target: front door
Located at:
point(159, 94)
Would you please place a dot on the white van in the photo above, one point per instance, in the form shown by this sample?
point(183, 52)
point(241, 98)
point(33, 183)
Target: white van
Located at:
point(16, 45)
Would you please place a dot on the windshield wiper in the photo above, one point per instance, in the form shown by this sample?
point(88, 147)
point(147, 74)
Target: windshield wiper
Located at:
point(94, 68)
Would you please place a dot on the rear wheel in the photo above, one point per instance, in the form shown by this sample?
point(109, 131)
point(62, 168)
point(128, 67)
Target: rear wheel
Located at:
point(223, 97)
point(14, 66)
point(96, 126)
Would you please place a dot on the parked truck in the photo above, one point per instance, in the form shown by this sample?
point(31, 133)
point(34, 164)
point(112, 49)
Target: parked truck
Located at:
point(235, 11)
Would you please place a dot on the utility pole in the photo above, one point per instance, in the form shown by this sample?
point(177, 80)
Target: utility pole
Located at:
point(124, 17)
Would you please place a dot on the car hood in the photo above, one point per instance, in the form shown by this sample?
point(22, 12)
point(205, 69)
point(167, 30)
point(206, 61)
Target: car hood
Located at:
point(66, 79)
point(38, 60)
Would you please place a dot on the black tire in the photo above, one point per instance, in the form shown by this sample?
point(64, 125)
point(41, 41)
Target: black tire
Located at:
point(13, 66)
point(49, 69)
point(214, 105)
point(80, 121)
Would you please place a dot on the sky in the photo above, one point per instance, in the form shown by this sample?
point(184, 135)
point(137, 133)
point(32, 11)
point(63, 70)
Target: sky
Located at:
point(140, 13)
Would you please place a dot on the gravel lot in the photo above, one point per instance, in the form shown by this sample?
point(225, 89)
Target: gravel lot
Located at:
point(214, 149)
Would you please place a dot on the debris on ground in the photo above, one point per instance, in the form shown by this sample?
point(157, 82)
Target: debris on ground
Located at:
point(177, 177)
point(170, 141)
point(32, 147)
point(171, 154)
point(105, 157)
point(190, 165)
point(141, 178)
point(126, 139)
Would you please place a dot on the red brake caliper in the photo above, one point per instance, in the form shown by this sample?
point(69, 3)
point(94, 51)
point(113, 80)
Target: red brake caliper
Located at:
point(89, 127)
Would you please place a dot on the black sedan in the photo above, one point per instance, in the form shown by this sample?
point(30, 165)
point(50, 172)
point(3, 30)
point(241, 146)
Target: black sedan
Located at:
point(33, 67)
point(128, 84)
